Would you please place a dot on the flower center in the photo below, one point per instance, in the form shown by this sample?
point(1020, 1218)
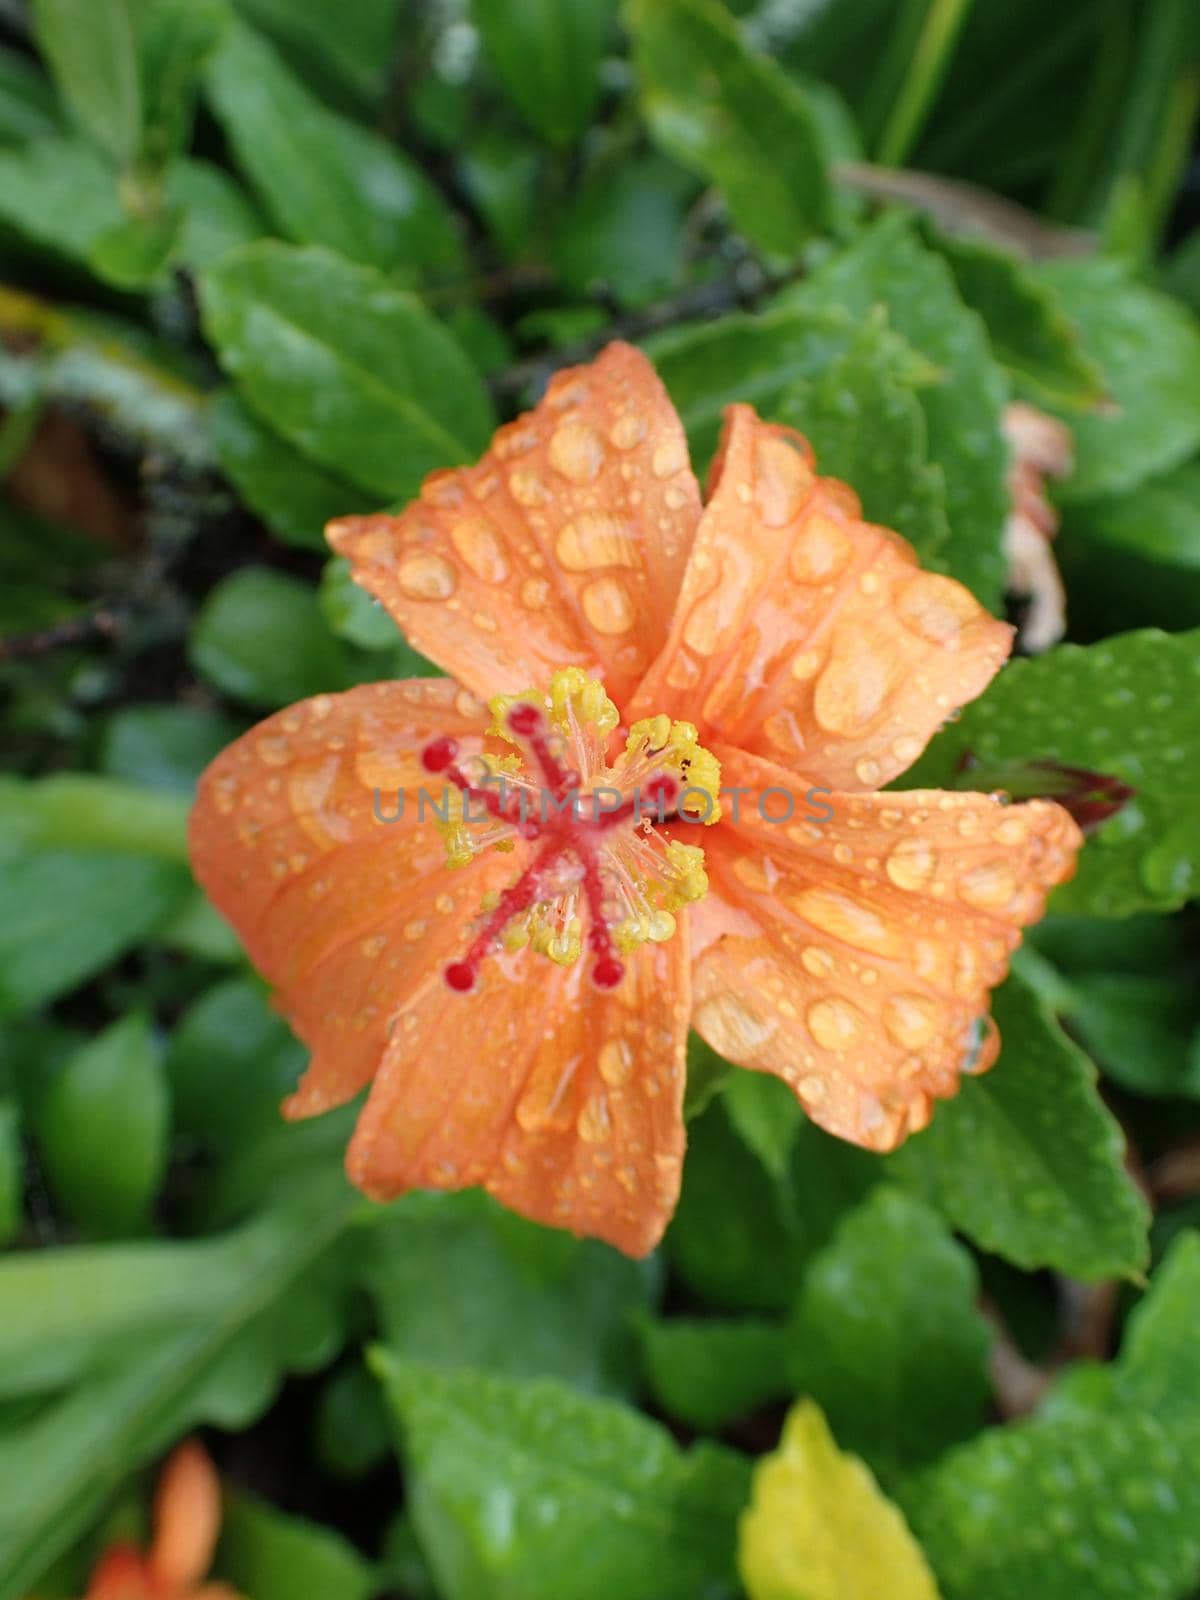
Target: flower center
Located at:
point(600, 815)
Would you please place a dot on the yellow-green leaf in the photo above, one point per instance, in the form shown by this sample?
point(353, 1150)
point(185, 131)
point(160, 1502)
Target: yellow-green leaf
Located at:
point(818, 1527)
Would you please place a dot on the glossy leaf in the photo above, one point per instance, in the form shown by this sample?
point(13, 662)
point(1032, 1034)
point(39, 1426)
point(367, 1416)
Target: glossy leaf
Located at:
point(888, 265)
point(293, 495)
point(261, 638)
point(1093, 1495)
point(163, 747)
point(818, 1527)
point(324, 179)
point(734, 117)
point(1027, 1161)
point(1148, 348)
point(596, 1499)
point(102, 1130)
point(547, 55)
point(868, 428)
point(707, 1372)
point(513, 1299)
point(356, 374)
point(276, 1557)
point(1140, 690)
point(200, 1346)
point(886, 1337)
point(93, 52)
point(65, 915)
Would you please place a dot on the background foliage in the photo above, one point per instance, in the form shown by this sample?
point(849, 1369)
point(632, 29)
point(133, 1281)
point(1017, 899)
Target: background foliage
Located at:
point(267, 262)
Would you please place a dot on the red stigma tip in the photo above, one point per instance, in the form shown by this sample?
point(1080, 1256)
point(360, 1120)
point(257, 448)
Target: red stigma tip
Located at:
point(439, 754)
point(525, 719)
point(608, 972)
point(460, 976)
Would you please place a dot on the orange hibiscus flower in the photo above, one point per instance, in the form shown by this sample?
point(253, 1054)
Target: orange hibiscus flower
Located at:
point(655, 764)
point(187, 1518)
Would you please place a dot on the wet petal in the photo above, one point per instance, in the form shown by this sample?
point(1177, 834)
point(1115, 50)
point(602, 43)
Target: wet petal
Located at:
point(562, 1101)
point(121, 1574)
point(187, 1518)
point(342, 912)
point(564, 546)
point(853, 957)
point(807, 635)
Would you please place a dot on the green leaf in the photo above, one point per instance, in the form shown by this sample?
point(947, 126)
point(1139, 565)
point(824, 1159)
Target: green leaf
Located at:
point(102, 1130)
point(868, 428)
point(60, 193)
point(83, 811)
point(276, 1557)
point(293, 496)
point(1027, 1161)
point(92, 52)
point(323, 179)
point(1181, 273)
point(174, 37)
point(889, 266)
point(350, 1427)
point(354, 373)
point(28, 109)
point(1140, 692)
point(136, 250)
point(767, 1117)
point(1140, 1030)
point(351, 45)
point(818, 1527)
point(1148, 348)
point(529, 1490)
point(708, 1372)
point(260, 637)
point(352, 613)
point(231, 1061)
point(206, 1332)
point(65, 915)
point(885, 1335)
point(1030, 331)
point(1094, 1495)
point(547, 55)
point(623, 232)
point(12, 1170)
point(759, 360)
point(734, 117)
point(163, 747)
point(740, 1240)
point(1134, 559)
point(459, 1283)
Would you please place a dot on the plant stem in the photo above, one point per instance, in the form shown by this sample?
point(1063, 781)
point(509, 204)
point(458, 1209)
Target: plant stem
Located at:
point(939, 34)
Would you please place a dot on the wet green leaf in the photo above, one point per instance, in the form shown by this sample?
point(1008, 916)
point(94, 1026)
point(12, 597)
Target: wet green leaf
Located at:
point(163, 747)
point(731, 115)
point(276, 1557)
point(93, 52)
point(102, 1130)
point(1148, 348)
point(596, 1499)
point(707, 1372)
point(356, 374)
point(1027, 1161)
point(260, 638)
point(324, 179)
point(886, 1337)
point(547, 55)
point(1140, 693)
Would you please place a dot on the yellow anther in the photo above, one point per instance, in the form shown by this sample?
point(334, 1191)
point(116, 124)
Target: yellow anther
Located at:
point(675, 747)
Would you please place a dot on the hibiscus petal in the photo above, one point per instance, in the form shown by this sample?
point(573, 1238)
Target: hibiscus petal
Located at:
point(564, 546)
point(342, 912)
point(562, 1101)
point(187, 1519)
point(809, 636)
point(121, 1574)
point(853, 958)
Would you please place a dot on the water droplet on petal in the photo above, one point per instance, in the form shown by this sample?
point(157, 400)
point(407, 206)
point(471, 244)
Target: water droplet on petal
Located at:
point(819, 551)
point(784, 480)
point(912, 1020)
point(535, 592)
point(911, 864)
point(936, 608)
point(577, 451)
point(628, 430)
point(616, 1061)
point(597, 541)
point(835, 1024)
point(847, 919)
point(607, 606)
point(989, 886)
point(526, 488)
point(481, 550)
point(425, 576)
point(851, 691)
point(669, 458)
point(732, 1028)
point(595, 1123)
